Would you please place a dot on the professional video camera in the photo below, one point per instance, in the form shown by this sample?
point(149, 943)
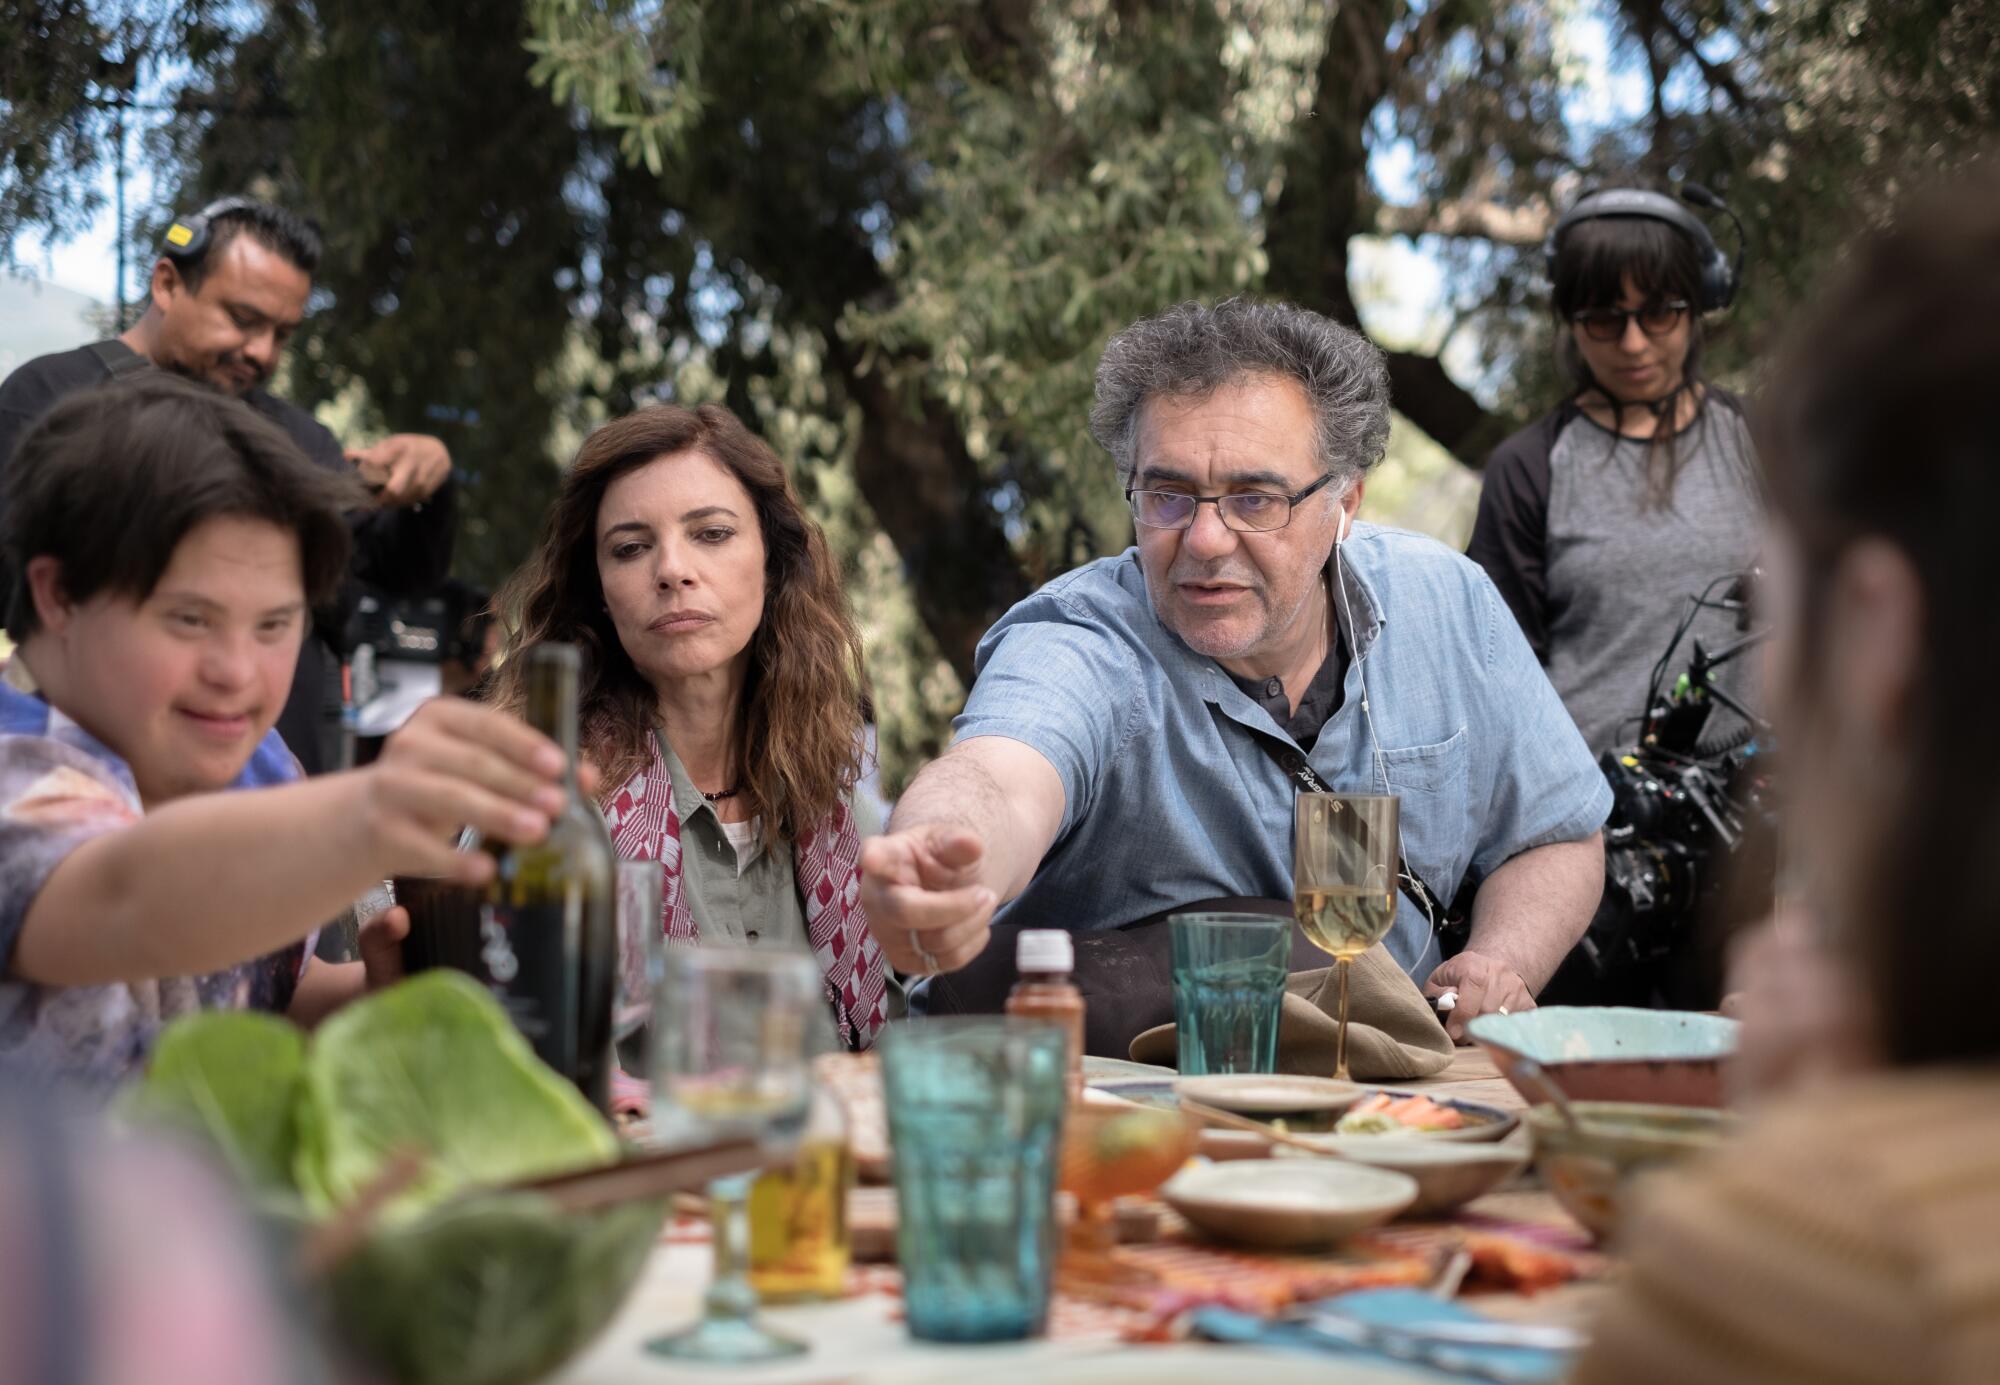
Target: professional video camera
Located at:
point(397, 648)
point(1691, 799)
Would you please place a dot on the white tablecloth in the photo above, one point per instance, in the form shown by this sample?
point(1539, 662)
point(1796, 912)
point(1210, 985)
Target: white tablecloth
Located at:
point(852, 1340)
point(860, 1341)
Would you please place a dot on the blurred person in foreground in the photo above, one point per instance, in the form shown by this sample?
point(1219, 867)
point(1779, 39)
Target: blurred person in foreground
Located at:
point(125, 1258)
point(1140, 727)
point(723, 688)
point(147, 674)
point(221, 310)
point(1853, 1233)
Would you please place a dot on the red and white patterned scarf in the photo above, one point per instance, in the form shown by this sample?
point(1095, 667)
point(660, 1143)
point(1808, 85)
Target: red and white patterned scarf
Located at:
point(827, 864)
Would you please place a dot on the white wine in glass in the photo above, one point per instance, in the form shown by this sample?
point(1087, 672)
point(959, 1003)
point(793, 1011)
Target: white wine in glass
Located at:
point(1344, 852)
point(1345, 920)
point(732, 1057)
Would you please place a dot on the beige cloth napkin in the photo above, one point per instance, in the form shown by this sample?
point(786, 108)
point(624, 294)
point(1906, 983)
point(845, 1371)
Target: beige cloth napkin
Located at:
point(1392, 1035)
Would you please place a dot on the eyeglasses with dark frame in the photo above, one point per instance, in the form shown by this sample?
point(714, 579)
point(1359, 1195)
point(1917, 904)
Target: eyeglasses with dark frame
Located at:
point(1608, 324)
point(1245, 511)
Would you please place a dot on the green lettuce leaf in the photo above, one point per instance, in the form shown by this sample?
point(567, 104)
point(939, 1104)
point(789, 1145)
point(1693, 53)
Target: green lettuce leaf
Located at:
point(231, 1079)
point(434, 1065)
point(457, 1282)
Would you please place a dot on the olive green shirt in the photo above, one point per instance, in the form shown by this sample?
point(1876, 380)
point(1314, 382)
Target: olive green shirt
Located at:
point(747, 897)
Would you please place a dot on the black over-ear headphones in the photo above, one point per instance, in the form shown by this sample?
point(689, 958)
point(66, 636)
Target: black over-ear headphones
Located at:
point(187, 237)
point(1719, 277)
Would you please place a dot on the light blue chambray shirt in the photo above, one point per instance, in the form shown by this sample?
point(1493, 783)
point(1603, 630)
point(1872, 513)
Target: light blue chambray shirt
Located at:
point(1169, 798)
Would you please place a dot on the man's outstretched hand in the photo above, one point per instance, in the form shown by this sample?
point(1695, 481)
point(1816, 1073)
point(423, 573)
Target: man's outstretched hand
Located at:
point(924, 904)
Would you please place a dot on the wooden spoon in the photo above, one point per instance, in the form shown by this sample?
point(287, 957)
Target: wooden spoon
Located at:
point(650, 1173)
point(637, 1176)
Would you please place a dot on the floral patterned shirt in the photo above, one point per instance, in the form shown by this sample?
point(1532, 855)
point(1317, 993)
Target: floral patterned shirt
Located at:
point(59, 787)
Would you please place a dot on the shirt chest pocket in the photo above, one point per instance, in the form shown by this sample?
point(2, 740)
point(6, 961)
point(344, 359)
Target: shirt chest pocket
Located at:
point(1436, 819)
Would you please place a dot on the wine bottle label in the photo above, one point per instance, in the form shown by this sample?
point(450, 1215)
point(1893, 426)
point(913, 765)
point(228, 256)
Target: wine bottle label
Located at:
point(530, 971)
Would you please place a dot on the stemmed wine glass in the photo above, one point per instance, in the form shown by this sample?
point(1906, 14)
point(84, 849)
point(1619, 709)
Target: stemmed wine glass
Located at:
point(732, 1059)
point(1109, 1152)
point(1344, 880)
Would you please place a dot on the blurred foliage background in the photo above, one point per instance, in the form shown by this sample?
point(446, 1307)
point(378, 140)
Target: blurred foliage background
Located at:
point(894, 234)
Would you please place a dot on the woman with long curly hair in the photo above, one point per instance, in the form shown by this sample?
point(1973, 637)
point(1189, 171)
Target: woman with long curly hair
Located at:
point(723, 689)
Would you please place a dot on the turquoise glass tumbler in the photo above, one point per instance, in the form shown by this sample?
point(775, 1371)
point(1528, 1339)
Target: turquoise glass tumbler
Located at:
point(975, 1117)
point(1229, 982)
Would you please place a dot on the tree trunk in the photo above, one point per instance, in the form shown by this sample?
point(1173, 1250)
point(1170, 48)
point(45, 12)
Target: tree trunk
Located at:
point(926, 491)
point(1327, 199)
point(1438, 404)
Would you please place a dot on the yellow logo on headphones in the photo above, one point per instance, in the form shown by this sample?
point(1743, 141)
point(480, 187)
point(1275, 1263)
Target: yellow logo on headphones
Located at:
point(179, 235)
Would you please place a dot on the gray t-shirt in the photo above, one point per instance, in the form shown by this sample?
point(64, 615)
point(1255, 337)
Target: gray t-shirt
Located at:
point(1617, 566)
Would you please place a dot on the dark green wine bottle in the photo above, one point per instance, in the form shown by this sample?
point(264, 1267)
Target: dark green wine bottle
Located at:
point(549, 927)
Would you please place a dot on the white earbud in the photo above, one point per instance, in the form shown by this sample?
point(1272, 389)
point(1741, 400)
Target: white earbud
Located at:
point(1361, 668)
point(1360, 656)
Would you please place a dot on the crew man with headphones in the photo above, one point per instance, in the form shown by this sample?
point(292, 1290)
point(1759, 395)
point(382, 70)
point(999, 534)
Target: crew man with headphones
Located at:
point(1599, 520)
point(228, 288)
point(1140, 726)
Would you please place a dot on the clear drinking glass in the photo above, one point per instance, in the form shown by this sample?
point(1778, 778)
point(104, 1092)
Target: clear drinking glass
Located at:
point(975, 1110)
point(1229, 985)
point(731, 1058)
point(640, 954)
point(1344, 853)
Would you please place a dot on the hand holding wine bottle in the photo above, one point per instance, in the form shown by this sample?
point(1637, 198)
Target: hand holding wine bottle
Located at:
point(453, 764)
point(530, 913)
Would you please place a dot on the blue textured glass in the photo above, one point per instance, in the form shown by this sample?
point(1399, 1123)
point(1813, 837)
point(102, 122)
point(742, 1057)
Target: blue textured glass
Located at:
point(1229, 983)
point(975, 1116)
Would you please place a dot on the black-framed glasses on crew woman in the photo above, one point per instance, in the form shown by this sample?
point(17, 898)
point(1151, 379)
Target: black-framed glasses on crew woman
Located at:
point(1244, 510)
point(1608, 324)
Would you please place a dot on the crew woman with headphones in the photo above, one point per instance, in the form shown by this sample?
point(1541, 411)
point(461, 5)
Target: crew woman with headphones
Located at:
point(1601, 518)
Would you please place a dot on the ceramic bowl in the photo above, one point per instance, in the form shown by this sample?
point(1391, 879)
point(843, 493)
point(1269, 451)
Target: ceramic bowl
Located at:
point(1590, 1169)
point(1447, 1175)
point(1609, 1053)
point(1287, 1202)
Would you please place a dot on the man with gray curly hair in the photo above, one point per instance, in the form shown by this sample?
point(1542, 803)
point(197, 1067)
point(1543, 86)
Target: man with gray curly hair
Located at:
point(1139, 727)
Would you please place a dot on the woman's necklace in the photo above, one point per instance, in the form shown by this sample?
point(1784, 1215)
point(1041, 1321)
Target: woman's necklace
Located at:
point(721, 794)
